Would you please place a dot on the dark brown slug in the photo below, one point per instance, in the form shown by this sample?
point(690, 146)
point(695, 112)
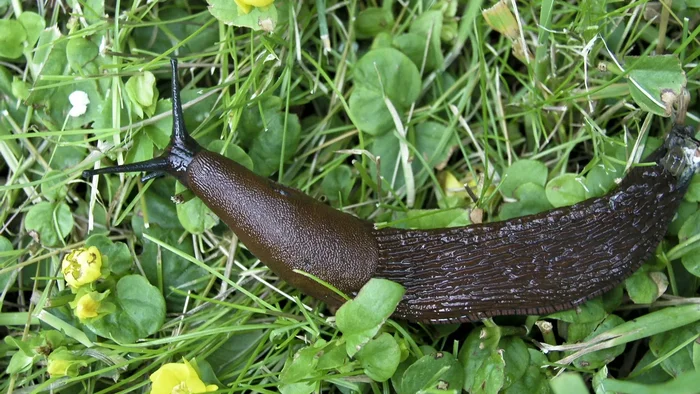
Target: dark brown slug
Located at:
point(536, 264)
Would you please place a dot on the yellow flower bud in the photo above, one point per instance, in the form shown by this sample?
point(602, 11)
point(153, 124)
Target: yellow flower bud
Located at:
point(180, 378)
point(244, 6)
point(82, 266)
point(87, 307)
point(58, 368)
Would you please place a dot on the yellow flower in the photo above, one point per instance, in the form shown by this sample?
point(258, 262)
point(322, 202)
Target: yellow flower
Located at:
point(63, 362)
point(82, 266)
point(178, 378)
point(58, 368)
point(87, 307)
point(245, 6)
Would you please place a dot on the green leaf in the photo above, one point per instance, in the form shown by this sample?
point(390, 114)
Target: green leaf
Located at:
point(33, 25)
point(372, 21)
point(676, 361)
point(380, 73)
point(645, 287)
point(80, 51)
point(600, 180)
point(51, 222)
point(693, 193)
point(474, 355)
point(591, 311)
point(516, 357)
point(689, 229)
point(175, 271)
point(429, 25)
point(656, 82)
point(141, 150)
point(531, 198)
point(235, 350)
point(226, 11)
point(436, 372)
point(490, 377)
point(302, 366)
point(380, 357)
point(436, 218)
point(685, 210)
point(12, 38)
point(520, 173)
point(140, 311)
point(361, 318)
point(604, 356)
point(337, 184)
point(142, 92)
point(54, 189)
point(194, 215)
point(565, 190)
point(233, 152)
point(115, 255)
point(568, 383)
point(533, 380)
point(275, 144)
point(160, 131)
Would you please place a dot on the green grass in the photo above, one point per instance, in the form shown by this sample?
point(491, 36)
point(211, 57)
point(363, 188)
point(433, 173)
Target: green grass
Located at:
point(430, 88)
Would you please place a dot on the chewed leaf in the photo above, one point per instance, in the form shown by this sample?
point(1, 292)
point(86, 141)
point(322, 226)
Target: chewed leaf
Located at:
point(656, 82)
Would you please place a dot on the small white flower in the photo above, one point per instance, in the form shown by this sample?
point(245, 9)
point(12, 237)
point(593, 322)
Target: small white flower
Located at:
point(79, 100)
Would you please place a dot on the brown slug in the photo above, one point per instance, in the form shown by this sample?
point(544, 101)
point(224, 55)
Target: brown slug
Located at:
point(535, 264)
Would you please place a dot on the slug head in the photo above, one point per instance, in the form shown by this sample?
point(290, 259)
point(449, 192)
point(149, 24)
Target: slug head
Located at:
point(177, 155)
point(682, 157)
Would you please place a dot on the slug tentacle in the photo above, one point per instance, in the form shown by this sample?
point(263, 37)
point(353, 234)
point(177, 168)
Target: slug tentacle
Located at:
point(177, 155)
point(541, 263)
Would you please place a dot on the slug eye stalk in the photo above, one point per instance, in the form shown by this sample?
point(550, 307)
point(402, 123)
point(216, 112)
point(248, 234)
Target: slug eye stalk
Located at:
point(177, 155)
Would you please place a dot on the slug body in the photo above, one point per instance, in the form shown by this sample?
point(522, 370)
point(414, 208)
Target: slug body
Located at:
point(536, 264)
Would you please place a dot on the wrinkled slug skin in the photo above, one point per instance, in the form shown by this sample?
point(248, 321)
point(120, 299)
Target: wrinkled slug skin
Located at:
point(287, 229)
point(530, 265)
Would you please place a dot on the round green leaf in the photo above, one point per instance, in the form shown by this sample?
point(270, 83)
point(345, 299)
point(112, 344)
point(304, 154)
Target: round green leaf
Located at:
point(33, 24)
point(645, 287)
point(361, 318)
point(531, 198)
point(520, 173)
point(372, 21)
point(383, 72)
point(12, 37)
point(275, 144)
point(51, 222)
point(380, 357)
point(115, 255)
point(565, 190)
point(233, 152)
point(79, 52)
point(599, 181)
point(337, 184)
point(140, 311)
point(656, 82)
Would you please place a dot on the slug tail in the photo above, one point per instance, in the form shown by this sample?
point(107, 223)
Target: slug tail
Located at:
point(538, 264)
point(177, 155)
